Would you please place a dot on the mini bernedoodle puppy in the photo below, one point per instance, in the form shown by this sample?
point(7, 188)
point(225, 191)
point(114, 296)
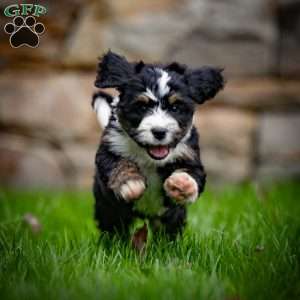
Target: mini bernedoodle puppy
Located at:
point(148, 162)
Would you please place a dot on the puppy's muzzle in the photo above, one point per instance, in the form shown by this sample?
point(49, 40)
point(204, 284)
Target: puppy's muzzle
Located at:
point(159, 133)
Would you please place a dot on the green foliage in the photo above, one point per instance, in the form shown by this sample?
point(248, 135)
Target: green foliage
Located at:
point(240, 243)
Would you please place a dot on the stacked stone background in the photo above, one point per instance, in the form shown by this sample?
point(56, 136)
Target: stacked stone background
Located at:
point(49, 134)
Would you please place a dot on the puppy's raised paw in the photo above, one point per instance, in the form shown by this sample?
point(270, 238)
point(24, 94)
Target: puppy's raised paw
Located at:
point(132, 189)
point(181, 187)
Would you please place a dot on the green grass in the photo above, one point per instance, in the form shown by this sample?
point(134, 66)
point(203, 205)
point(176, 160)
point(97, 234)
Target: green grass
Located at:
point(239, 244)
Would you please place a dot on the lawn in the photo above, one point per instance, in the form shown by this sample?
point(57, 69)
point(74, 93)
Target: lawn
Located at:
point(241, 243)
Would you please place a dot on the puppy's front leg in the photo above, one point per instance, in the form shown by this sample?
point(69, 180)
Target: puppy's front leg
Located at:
point(181, 187)
point(127, 181)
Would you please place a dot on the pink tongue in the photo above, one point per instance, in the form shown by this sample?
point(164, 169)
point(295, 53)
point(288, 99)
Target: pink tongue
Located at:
point(159, 151)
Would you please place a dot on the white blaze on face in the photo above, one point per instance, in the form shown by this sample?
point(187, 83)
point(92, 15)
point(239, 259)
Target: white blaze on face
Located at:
point(158, 118)
point(162, 82)
point(150, 94)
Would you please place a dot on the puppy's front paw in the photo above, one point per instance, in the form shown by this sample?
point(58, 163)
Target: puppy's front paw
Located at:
point(132, 189)
point(181, 187)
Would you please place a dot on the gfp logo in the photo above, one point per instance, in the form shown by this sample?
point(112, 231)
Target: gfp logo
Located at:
point(24, 30)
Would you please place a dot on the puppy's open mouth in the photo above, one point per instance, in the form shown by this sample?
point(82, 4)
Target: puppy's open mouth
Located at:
point(158, 152)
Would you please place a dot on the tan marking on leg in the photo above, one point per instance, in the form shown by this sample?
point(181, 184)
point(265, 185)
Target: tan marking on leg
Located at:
point(127, 181)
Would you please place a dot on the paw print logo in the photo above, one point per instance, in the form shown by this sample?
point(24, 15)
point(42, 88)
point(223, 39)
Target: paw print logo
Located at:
point(24, 31)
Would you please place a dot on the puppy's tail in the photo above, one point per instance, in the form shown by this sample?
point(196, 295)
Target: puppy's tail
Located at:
point(103, 104)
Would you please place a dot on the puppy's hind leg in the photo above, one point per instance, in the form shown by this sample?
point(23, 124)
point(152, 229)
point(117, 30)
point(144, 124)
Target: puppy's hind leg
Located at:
point(174, 220)
point(112, 215)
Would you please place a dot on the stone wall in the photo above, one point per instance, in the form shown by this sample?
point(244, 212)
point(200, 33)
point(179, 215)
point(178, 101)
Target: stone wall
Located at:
point(48, 132)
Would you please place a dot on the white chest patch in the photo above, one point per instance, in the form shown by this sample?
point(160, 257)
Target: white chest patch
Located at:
point(123, 145)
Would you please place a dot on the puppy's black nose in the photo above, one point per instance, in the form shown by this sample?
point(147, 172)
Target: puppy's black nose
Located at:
point(159, 133)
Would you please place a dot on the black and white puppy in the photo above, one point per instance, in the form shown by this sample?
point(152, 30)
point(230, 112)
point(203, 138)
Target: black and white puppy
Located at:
point(148, 162)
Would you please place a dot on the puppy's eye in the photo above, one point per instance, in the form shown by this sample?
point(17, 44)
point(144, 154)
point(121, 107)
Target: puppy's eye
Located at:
point(175, 108)
point(143, 107)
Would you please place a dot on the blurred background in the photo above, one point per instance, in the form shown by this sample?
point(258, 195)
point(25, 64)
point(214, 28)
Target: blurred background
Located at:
point(251, 131)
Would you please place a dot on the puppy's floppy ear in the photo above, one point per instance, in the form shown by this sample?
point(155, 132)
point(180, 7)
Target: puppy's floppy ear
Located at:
point(138, 67)
point(204, 83)
point(113, 70)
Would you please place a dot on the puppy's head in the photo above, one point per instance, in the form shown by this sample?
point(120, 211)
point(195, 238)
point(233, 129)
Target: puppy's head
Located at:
point(156, 102)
